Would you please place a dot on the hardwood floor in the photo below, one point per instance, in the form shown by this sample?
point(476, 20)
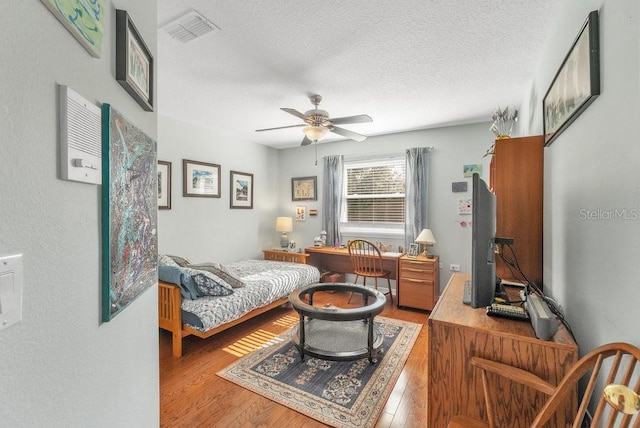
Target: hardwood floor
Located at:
point(192, 395)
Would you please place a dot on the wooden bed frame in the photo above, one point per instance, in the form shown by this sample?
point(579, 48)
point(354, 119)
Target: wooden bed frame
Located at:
point(170, 302)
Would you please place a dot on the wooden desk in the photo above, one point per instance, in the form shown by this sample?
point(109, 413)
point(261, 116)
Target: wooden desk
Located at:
point(337, 260)
point(457, 332)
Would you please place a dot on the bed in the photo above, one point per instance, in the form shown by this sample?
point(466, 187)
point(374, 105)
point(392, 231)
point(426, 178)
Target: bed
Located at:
point(256, 287)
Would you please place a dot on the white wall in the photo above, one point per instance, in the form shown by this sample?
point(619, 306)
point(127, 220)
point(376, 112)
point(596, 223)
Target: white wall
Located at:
point(206, 229)
point(62, 366)
point(591, 265)
point(453, 147)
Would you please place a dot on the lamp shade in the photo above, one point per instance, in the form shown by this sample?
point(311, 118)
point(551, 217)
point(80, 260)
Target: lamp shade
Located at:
point(426, 237)
point(284, 224)
point(315, 133)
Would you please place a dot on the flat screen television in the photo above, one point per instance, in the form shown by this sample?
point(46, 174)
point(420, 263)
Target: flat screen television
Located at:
point(483, 266)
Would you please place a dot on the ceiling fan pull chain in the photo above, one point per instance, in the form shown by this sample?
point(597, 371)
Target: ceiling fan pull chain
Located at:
point(316, 144)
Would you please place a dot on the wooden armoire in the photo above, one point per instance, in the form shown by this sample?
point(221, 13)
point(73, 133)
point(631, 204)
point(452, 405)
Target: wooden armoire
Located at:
point(516, 177)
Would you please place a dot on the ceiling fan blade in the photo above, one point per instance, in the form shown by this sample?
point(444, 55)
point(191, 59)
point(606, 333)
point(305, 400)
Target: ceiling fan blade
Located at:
point(348, 134)
point(361, 118)
point(281, 127)
point(294, 112)
point(306, 141)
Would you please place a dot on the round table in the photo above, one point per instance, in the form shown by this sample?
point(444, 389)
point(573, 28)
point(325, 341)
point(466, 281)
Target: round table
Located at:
point(337, 334)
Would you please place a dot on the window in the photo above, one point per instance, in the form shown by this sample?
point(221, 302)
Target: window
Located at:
point(374, 197)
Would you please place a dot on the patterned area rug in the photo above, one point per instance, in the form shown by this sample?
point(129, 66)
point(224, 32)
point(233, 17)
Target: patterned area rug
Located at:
point(340, 394)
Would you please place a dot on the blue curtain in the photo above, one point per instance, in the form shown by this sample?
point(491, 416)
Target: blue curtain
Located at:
point(332, 197)
point(416, 193)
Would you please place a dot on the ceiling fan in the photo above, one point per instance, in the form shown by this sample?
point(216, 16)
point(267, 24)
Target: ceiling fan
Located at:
point(317, 123)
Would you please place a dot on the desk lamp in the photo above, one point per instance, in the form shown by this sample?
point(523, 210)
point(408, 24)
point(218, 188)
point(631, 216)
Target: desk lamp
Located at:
point(284, 225)
point(426, 238)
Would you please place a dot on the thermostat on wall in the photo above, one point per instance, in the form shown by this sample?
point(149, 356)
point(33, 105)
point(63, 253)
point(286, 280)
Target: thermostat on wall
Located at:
point(80, 138)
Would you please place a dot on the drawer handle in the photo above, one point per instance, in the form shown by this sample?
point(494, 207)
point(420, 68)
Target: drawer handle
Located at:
point(415, 280)
point(415, 270)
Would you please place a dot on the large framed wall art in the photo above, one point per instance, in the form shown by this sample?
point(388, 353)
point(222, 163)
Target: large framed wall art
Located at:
point(129, 212)
point(576, 83)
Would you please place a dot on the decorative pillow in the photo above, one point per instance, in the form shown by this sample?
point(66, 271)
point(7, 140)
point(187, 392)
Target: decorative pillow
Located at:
point(220, 271)
point(176, 275)
point(181, 261)
point(164, 260)
point(208, 287)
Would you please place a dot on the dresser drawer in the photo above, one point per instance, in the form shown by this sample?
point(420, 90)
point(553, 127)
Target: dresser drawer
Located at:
point(416, 294)
point(416, 265)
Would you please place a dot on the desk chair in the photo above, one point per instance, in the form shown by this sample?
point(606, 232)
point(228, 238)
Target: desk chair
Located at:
point(614, 363)
point(367, 263)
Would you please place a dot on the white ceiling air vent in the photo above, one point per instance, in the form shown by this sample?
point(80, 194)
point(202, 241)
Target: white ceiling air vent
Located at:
point(189, 27)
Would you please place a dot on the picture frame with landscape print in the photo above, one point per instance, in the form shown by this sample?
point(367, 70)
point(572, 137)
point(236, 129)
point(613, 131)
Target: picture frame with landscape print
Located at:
point(164, 185)
point(134, 62)
point(200, 179)
point(304, 189)
point(576, 84)
point(241, 192)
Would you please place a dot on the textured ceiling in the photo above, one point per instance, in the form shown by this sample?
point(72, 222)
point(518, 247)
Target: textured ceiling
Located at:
point(409, 64)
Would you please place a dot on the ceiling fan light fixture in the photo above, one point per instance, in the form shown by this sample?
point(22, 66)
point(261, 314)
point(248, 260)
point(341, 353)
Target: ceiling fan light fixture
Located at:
point(315, 133)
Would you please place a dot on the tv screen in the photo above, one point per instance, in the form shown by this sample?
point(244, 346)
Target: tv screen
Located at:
point(483, 267)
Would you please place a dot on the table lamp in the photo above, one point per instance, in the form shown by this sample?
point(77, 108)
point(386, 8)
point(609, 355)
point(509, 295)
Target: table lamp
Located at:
point(284, 225)
point(426, 238)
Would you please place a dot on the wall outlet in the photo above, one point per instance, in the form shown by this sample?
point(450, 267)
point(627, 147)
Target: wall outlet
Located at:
point(454, 268)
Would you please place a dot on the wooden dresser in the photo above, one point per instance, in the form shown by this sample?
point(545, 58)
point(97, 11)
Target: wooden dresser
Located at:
point(457, 332)
point(419, 282)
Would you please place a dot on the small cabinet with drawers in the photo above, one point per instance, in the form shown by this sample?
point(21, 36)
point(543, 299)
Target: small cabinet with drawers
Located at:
point(419, 282)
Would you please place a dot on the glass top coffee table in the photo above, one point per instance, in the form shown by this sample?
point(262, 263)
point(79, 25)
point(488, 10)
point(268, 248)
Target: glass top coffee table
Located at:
point(338, 334)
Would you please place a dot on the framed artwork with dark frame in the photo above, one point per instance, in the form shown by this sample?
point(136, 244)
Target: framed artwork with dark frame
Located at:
point(200, 179)
point(164, 185)
point(576, 84)
point(304, 189)
point(134, 62)
point(241, 193)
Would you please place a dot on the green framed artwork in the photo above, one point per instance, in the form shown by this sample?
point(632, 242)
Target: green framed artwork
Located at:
point(129, 212)
point(84, 19)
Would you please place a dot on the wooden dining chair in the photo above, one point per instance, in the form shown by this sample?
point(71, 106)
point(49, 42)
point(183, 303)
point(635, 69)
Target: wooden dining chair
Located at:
point(367, 263)
point(614, 363)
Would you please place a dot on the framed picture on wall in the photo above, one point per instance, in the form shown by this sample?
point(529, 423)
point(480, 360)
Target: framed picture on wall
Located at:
point(301, 213)
point(84, 20)
point(200, 179)
point(304, 189)
point(241, 193)
point(576, 83)
point(134, 62)
point(164, 185)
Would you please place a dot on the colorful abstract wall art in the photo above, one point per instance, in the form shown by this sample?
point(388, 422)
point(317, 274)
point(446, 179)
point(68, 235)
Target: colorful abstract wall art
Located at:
point(129, 212)
point(84, 19)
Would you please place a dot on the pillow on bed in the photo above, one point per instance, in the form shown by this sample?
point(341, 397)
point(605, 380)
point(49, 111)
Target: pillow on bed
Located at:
point(164, 260)
point(176, 275)
point(220, 271)
point(208, 287)
point(181, 261)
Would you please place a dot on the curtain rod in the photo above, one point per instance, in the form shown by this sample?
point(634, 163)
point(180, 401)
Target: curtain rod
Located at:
point(379, 155)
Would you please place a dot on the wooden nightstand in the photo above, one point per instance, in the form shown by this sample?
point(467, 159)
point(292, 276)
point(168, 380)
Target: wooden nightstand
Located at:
point(419, 282)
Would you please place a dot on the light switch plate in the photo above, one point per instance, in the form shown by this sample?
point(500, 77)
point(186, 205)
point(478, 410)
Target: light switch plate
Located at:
point(11, 283)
